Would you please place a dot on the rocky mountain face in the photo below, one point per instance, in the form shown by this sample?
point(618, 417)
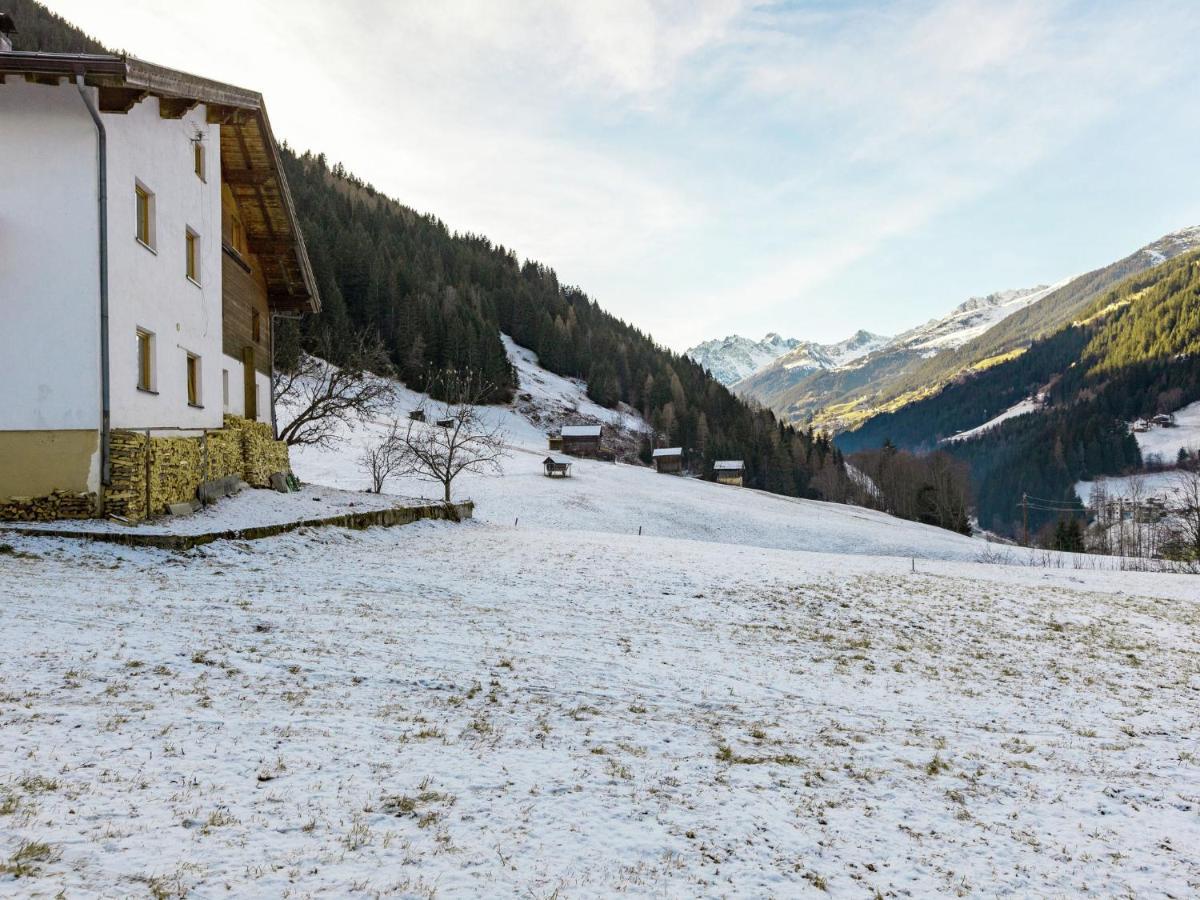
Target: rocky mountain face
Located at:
point(734, 358)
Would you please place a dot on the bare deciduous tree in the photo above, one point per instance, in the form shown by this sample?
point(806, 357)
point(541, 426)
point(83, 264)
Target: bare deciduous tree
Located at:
point(460, 440)
point(386, 457)
point(1186, 496)
point(321, 397)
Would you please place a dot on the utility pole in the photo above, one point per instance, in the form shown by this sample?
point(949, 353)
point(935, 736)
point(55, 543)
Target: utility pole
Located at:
point(1025, 519)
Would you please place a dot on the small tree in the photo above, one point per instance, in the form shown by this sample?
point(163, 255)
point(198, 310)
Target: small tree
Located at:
point(323, 396)
point(466, 442)
point(1187, 500)
point(387, 457)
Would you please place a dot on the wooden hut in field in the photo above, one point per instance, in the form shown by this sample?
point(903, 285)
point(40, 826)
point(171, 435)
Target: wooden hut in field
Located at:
point(668, 460)
point(581, 440)
point(729, 471)
point(557, 466)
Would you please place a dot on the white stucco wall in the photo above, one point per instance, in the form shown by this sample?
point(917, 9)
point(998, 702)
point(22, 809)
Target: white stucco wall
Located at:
point(150, 289)
point(49, 280)
point(237, 391)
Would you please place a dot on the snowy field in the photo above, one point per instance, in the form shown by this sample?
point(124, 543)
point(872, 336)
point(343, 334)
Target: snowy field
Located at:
point(1167, 442)
point(483, 710)
point(757, 696)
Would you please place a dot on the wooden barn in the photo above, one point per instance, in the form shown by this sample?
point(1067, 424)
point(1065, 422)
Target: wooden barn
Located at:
point(581, 440)
point(729, 471)
point(668, 460)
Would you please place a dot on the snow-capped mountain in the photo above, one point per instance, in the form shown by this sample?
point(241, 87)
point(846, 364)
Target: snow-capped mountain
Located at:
point(970, 319)
point(1171, 245)
point(735, 358)
point(732, 358)
point(809, 356)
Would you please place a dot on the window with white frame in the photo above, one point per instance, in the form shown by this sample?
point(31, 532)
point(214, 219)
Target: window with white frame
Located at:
point(145, 360)
point(193, 380)
point(144, 215)
point(192, 255)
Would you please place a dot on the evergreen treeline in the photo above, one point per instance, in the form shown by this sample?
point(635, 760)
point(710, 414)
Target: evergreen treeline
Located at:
point(1135, 351)
point(38, 29)
point(440, 300)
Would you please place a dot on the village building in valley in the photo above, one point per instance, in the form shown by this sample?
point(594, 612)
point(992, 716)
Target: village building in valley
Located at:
point(149, 244)
point(578, 440)
point(729, 471)
point(668, 460)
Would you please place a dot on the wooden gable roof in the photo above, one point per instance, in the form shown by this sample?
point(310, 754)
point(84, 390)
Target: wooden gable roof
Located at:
point(250, 161)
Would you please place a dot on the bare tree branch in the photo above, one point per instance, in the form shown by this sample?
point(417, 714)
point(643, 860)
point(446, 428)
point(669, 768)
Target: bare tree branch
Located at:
point(442, 448)
point(323, 398)
point(387, 457)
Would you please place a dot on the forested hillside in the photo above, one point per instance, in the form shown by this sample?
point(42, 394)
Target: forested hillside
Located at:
point(440, 300)
point(1134, 351)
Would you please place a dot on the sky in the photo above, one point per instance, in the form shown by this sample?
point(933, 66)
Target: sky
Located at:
point(710, 168)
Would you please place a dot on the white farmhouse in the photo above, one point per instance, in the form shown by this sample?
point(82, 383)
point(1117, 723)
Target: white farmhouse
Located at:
point(147, 243)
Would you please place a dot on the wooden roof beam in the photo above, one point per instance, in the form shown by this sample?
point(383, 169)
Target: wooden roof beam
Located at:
point(270, 246)
point(175, 107)
point(224, 115)
point(247, 177)
point(118, 99)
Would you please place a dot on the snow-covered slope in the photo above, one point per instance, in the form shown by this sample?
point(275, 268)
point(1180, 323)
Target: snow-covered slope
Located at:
point(619, 498)
point(1165, 443)
point(1020, 408)
point(732, 358)
point(969, 319)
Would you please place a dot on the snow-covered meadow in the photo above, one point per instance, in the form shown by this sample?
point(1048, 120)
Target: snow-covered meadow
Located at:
point(755, 696)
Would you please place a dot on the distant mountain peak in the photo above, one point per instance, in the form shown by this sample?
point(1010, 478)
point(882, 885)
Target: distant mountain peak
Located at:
point(734, 358)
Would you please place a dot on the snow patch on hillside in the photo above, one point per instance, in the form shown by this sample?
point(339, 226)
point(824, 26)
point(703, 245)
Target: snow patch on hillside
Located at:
point(1023, 407)
point(970, 319)
point(1166, 443)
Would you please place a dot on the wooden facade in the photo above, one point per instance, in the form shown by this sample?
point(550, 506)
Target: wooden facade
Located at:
point(668, 460)
point(729, 471)
point(581, 440)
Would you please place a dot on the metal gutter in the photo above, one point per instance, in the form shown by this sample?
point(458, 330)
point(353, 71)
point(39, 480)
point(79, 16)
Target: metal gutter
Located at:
point(102, 208)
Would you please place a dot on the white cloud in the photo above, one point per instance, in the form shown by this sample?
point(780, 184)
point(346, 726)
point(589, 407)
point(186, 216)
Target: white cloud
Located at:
point(694, 165)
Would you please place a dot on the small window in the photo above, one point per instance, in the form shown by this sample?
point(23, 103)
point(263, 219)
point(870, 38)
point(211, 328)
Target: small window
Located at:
point(256, 326)
point(145, 215)
point(193, 379)
point(198, 159)
point(237, 235)
point(193, 255)
point(145, 359)
point(225, 390)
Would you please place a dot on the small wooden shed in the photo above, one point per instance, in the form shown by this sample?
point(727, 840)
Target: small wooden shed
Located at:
point(668, 460)
point(417, 415)
point(729, 471)
point(557, 466)
point(581, 440)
